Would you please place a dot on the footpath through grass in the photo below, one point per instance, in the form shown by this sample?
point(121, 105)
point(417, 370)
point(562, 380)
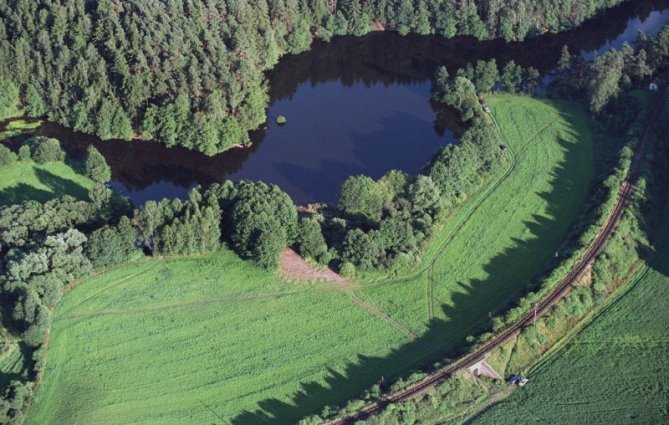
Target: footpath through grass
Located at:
point(214, 340)
point(614, 372)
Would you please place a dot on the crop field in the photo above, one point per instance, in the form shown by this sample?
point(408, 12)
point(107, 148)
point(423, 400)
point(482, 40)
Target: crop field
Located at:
point(23, 181)
point(615, 371)
point(214, 340)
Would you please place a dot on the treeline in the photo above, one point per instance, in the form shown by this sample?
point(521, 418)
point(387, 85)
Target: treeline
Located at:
point(631, 242)
point(601, 80)
point(461, 90)
point(191, 73)
point(620, 125)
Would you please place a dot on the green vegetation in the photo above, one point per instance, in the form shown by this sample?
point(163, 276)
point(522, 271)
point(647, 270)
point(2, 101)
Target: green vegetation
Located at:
point(258, 338)
point(22, 181)
point(212, 331)
point(38, 172)
point(192, 74)
point(281, 120)
point(462, 396)
point(16, 127)
point(96, 167)
point(612, 372)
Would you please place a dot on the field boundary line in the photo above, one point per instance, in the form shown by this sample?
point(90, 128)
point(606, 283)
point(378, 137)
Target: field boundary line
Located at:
point(215, 300)
point(113, 285)
point(489, 192)
point(378, 313)
point(553, 295)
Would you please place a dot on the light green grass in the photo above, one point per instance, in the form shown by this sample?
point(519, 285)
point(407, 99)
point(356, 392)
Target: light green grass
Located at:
point(614, 372)
point(213, 340)
point(516, 231)
point(18, 126)
point(23, 181)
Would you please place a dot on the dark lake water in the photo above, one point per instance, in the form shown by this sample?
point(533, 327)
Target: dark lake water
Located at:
point(354, 106)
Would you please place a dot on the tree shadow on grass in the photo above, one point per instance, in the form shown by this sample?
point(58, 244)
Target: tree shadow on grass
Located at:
point(57, 186)
point(61, 186)
point(510, 274)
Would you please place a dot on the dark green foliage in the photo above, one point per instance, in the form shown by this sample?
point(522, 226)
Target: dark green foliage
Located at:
point(112, 245)
point(46, 150)
point(14, 400)
point(311, 242)
point(457, 170)
point(263, 221)
point(269, 240)
point(7, 157)
point(424, 195)
point(360, 196)
point(196, 231)
point(34, 280)
point(35, 106)
point(109, 68)
point(363, 249)
point(24, 153)
point(485, 75)
point(96, 167)
point(180, 227)
point(604, 83)
point(9, 98)
point(512, 77)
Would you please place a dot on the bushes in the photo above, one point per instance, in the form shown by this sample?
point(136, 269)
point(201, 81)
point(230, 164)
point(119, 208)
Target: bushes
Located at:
point(360, 197)
point(24, 153)
point(311, 242)
point(262, 220)
point(112, 245)
point(46, 150)
point(14, 400)
point(96, 167)
point(7, 157)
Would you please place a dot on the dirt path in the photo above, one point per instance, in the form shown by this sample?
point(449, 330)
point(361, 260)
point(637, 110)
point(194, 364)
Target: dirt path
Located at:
point(294, 267)
point(553, 296)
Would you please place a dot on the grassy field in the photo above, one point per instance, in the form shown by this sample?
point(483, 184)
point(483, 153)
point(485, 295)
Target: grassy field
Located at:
point(614, 372)
point(213, 340)
point(22, 181)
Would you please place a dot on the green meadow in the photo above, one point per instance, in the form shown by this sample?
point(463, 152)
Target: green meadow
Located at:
point(214, 340)
point(26, 180)
point(615, 371)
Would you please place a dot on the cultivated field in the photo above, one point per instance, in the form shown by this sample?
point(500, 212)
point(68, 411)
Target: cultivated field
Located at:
point(214, 340)
point(614, 372)
point(23, 181)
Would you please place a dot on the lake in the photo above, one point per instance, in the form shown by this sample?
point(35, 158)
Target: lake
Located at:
point(354, 105)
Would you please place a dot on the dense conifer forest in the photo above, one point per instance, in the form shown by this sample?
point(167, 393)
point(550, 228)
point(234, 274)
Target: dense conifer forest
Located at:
point(192, 73)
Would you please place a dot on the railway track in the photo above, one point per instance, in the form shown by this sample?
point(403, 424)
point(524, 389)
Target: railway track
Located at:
point(547, 302)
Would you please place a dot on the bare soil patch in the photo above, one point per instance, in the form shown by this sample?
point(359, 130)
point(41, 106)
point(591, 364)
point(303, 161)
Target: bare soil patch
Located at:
point(294, 267)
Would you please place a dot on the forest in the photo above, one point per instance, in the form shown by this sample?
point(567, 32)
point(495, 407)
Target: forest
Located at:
point(192, 73)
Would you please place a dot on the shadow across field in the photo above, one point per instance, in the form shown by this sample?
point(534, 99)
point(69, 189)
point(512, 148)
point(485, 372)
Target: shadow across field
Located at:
point(466, 314)
point(57, 186)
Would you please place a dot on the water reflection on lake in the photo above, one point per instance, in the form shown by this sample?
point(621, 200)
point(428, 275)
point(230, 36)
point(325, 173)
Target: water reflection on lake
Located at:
point(354, 106)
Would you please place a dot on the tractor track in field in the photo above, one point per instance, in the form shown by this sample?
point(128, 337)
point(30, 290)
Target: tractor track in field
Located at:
point(378, 313)
point(553, 296)
point(492, 189)
point(213, 300)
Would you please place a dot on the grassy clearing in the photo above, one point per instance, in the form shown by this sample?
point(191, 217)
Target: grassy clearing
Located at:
point(614, 372)
point(212, 339)
point(23, 181)
point(518, 228)
point(18, 126)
